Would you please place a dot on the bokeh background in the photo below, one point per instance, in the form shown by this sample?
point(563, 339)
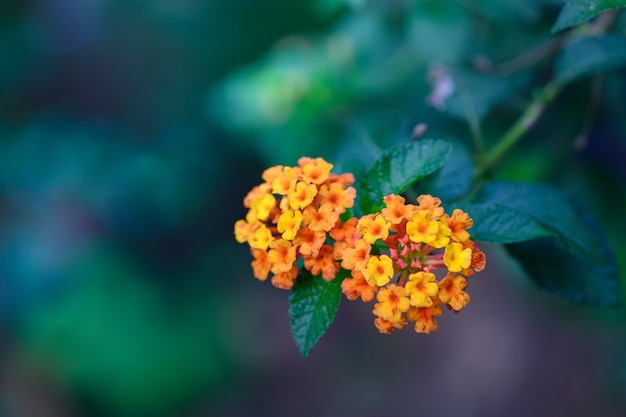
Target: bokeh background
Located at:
point(130, 132)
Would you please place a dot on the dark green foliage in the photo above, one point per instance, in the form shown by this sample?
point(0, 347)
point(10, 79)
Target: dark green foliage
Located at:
point(576, 12)
point(590, 55)
point(313, 304)
point(575, 262)
point(398, 168)
point(455, 177)
point(500, 224)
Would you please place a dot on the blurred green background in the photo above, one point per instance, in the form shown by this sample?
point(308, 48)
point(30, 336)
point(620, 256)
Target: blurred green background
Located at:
point(130, 132)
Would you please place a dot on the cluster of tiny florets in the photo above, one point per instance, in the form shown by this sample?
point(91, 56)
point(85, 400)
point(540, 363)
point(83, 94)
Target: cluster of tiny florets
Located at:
point(291, 215)
point(413, 258)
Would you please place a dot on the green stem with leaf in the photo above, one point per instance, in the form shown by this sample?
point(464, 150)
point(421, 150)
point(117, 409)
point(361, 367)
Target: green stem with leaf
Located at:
point(524, 123)
point(542, 99)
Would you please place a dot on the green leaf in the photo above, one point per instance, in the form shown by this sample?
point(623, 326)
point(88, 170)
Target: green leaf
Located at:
point(367, 137)
point(500, 224)
point(587, 55)
point(454, 179)
point(475, 95)
point(575, 262)
point(398, 168)
point(569, 276)
point(313, 303)
point(576, 12)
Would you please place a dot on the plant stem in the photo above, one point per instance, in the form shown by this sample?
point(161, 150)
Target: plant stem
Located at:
point(542, 98)
point(531, 57)
point(528, 119)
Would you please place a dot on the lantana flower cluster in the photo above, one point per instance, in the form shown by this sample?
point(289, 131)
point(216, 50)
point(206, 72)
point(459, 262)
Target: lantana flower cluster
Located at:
point(413, 258)
point(398, 256)
point(291, 215)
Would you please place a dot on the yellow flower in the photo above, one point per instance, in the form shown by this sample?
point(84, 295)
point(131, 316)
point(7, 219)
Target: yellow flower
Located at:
point(289, 223)
point(420, 287)
point(243, 230)
point(442, 238)
point(456, 258)
point(261, 237)
point(422, 229)
point(392, 302)
point(262, 206)
point(301, 195)
point(373, 228)
point(379, 270)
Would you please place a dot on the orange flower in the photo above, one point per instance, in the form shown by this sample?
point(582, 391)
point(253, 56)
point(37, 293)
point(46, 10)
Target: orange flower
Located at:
point(314, 171)
point(285, 280)
point(308, 241)
point(356, 287)
point(458, 223)
point(323, 263)
point(261, 265)
point(336, 195)
point(373, 227)
point(355, 258)
point(295, 218)
point(451, 292)
point(261, 237)
point(395, 210)
point(344, 179)
point(478, 257)
point(392, 302)
point(424, 318)
point(431, 204)
point(283, 183)
point(378, 270)
point(301, 195)
point(244, 230)
point(322, 219)
point(421, 287)
point(387, 327)
point(345, 232)
point(270, 174)
point(256, 191)
point(282, 255)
